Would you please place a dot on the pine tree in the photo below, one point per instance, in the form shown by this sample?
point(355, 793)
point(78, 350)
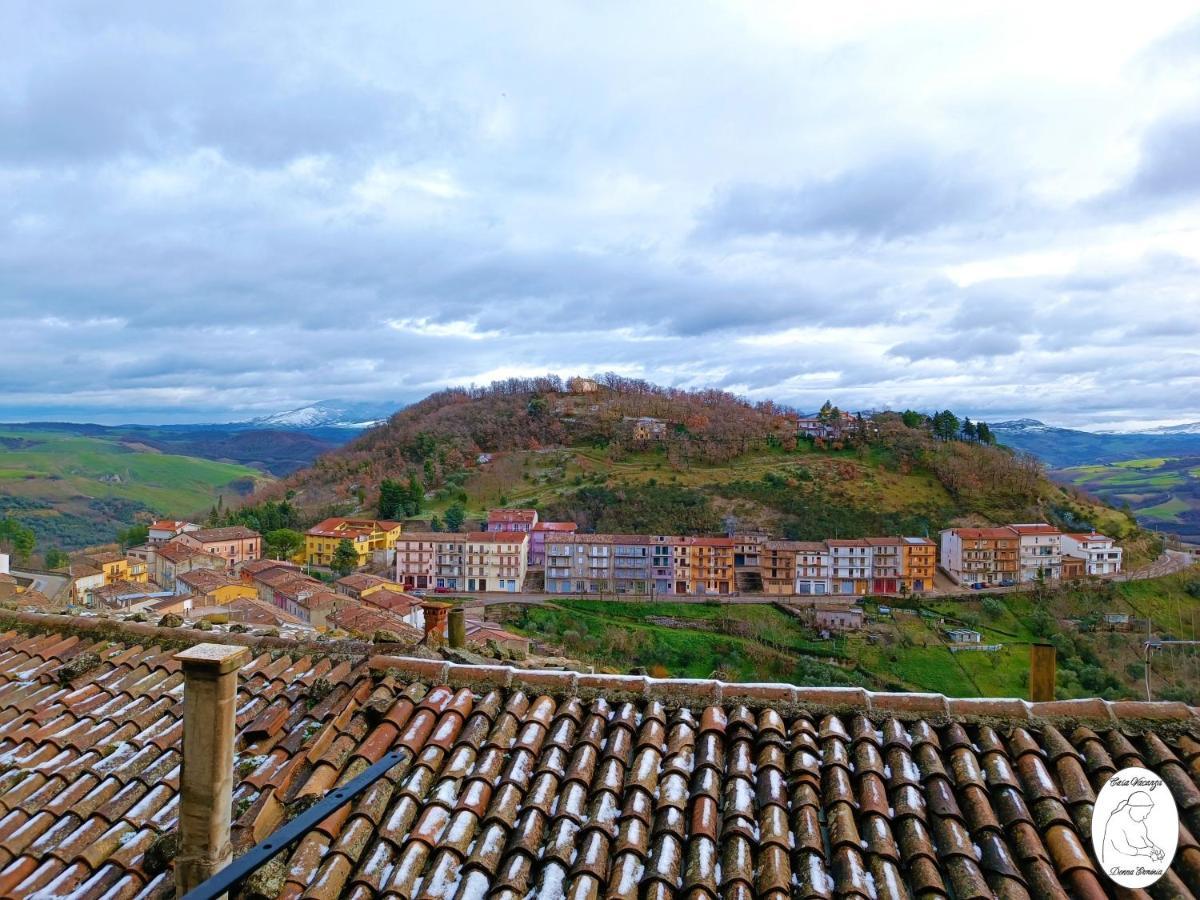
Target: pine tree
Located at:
point(969, 430)
point(345, 560)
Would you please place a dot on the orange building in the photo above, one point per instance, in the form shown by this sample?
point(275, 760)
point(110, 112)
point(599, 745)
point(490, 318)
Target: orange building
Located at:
point(703, 565)
point(919, 557)
point(777, 562)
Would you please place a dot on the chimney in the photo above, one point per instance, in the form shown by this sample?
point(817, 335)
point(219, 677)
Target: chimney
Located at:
point(210, 674)
point(458, 627)
point(1041, 672)
point(436, 615)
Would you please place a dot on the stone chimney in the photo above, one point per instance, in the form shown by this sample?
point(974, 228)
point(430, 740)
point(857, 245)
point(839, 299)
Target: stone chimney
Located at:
point(1042, 665)
point(210, 673)
point(436, 616)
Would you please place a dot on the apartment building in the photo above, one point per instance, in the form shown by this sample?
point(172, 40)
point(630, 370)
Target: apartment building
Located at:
point(496, 560)
point(919, 560)
point(987, 556)
point(1039, 551)
point(794, 567)
point(601, 563)
point(170, 560)
point(850, 565)
point(1100, 554)
point(777, 565)
point(537, 539)
point(366, 536)
point(511, 519)
point(703, 565)
point(477, 561)
point(887, 564)
point(235, 544)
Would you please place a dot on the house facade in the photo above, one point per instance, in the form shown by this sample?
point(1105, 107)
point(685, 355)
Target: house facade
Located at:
point(1039, 552)
point(887, 564)
point(235, 543)
point(1100, 554)
point(703, 565)
point(174, 558)
point(850, 566)
point(919, 555)
point(477, 561)
point(537, 539)
point(600, 563)
point(986, 556)
point(212, 588)
point(366, 536)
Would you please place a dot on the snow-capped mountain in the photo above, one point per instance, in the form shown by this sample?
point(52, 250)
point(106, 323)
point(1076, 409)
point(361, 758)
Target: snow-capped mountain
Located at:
point(328, 414)
point(1022, 425)
point(1185, 428)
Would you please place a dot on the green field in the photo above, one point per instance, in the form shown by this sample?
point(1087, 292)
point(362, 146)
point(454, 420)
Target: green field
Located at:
point(1163, 492)
point(907, 649)
point(75, 490)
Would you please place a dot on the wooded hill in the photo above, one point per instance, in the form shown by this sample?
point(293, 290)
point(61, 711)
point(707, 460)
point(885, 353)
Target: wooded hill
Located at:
point(625, 455)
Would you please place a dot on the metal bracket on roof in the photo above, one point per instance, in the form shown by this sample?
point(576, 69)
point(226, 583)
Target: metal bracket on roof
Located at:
point(282, 840)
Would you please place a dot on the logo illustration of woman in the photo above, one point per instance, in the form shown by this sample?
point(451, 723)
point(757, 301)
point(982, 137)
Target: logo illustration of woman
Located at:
point(1125, 832)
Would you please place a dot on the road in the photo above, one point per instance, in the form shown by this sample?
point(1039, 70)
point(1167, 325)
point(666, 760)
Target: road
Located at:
point(1169, 563)
point(50, 585)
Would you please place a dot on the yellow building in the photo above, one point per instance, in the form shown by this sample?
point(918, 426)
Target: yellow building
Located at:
point(209, 588)
point(365, 536)
point(116, 567)
point(920, 564)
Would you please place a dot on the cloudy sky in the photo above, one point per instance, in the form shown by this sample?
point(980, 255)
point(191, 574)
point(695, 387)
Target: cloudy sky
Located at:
point(213, 211)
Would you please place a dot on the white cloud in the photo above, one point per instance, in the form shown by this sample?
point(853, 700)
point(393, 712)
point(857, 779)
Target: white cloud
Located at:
point(923, 204)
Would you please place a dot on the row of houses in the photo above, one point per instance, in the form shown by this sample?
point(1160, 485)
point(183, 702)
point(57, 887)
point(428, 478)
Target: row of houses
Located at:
point(663, 564)
point(1022, 553)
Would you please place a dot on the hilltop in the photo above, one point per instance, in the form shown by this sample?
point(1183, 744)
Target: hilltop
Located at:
point(620, 455)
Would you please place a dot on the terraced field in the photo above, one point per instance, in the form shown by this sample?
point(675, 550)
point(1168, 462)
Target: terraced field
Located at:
point(1163, 492)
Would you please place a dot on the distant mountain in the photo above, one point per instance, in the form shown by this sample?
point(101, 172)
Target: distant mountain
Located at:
point(328, 414)
point(1186, 428)
point(1063, 447)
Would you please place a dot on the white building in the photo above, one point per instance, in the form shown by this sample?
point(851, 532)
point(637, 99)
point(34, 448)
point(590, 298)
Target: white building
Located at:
point(813, 568)
point(1039, 551)
point(1100, 554)
point(850, 566)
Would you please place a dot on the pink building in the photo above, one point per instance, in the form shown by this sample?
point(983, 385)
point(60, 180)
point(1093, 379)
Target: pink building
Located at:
point(511, 519)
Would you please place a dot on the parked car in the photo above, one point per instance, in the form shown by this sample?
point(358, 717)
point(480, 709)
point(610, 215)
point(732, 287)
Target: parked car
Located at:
point(419, 592)
point(442, 590)
point(1007, 582)
point(978, 586)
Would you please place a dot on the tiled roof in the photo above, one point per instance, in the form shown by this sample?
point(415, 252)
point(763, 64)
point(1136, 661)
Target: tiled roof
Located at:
point(208, 580)
point(497, 537)
point(216, 535)
point(348, 528)
point(566, 527)
point(799, 546)
point(175, 552)
point(1035, 528)
point(511, 515)
point(997, 533)
point(360, 580)
point(254, 566)
point(366, 620)
point(551, 784)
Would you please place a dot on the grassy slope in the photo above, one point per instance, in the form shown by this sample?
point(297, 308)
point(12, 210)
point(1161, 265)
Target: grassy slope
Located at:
point(1161, 491)
point(98, 483)
point(760, 642)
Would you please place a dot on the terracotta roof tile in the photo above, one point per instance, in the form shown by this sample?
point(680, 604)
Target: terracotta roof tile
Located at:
point(514, 781)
